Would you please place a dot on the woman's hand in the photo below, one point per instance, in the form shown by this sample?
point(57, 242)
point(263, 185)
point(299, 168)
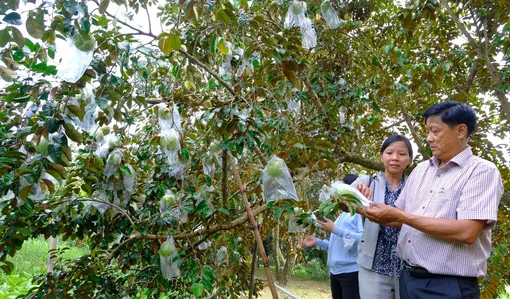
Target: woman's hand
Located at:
point(308, 241)
point(365, 190)
point(327, 225)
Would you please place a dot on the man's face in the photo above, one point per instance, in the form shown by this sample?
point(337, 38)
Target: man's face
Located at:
point(445, 141)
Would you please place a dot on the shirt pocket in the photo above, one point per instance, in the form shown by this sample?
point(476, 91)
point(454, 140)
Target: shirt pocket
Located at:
point(444, 204)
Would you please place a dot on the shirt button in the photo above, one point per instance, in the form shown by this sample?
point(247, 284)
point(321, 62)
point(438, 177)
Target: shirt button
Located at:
point(423, 207)
point(408, 241)
point(430, 191)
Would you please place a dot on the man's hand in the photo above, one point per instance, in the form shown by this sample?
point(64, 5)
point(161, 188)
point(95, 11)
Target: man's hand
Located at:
point(365, 190)
point(308, 241)
point(327, 225)
point(383, 214)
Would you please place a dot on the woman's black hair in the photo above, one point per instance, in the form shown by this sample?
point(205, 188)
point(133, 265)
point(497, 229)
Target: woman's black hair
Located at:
point(395, 138)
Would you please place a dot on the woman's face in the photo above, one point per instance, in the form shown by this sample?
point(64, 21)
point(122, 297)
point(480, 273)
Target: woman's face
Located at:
point(396, 158)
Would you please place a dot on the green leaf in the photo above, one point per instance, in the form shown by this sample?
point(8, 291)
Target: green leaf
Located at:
point(222, 47)
point(103, 6)
point(5, 37)
point(165, 44)
point(18, 37)
point(73, 134)
point(102, 102)
point(13, 4)
point(175, 42)
point(277, 211)
point(35, 28)
point(13, 18)
point(221, 15)
point(197, 289)
point(224, 211)
point(7, 74)
point(184, 154)
point(55, 152)
point(53, 125)
point(213, 44)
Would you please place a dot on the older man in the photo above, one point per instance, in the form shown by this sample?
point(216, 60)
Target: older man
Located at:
point(447, 210)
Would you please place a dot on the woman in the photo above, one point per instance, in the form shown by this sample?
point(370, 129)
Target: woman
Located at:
point(346, 232)
point(379, 264)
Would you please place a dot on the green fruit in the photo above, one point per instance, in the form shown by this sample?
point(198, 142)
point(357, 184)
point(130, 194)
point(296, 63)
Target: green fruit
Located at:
point(42, 147)
point(99, 136)
point(325, 6)
point(168, 200)
point(83, 44)
point(208, 160)
point(275, 169)
point(115, 159)
point(296, 9)
point(214, 147)
point(105, 130)
point(169, 142)
point(167, 249)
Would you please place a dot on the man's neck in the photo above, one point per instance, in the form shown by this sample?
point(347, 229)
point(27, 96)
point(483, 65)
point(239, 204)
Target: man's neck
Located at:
point(445, 159)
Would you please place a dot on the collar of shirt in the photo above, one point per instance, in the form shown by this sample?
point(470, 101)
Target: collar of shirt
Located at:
point(460, 159)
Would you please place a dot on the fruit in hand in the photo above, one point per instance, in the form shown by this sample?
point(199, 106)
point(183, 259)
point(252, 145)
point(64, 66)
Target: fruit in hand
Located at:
point(275, 168)
point(350, 193)
point(167, 249)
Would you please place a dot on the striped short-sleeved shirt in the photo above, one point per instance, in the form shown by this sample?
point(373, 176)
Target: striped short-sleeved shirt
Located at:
point(467, 187)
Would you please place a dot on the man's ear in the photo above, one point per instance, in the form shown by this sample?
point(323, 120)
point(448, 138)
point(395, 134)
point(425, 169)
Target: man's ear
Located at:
point(462, 131)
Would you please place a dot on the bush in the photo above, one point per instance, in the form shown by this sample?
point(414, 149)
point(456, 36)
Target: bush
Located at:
point(320, 271)
point(301, 269)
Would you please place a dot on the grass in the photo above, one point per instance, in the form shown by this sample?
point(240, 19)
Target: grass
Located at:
point(31, 260)
point(299, 285)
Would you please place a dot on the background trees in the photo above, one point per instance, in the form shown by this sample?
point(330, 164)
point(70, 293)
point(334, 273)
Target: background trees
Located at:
point(240, 80)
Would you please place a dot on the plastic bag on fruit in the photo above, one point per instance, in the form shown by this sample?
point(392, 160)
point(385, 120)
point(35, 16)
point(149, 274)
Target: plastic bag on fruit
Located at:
point(169, 118)
point(209, 164)
point(99, 206)
point(167, 201)
point(330, 15)
point(74, 62)
point(342, 110)
point(167, 257)
point(276, 181)
point(169, 140)
point(294, 106)
point(89, 118)
point(104, 146)
point(293, 226)
point(309, 35)
point(204, 245)
point(113, 162)
point(295, 15)
point(222, 256)
point(226, 67)
point(128, 181)
point(325, 193)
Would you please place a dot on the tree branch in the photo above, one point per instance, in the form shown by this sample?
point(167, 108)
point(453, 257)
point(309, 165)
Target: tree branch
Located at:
point(505, 104)
point(317, 103)
point(421, 147)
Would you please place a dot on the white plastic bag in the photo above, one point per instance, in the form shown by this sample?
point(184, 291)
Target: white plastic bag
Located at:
point(209, 165)
point(294, 106)
point(309, 35)
point(129, 182)
point(330, 15)
point(113, 162)
point(342, 112)
point(74, 62)
point(348, 242)
point(325, 193)
point(295, 15)
point(341, 189)
point(169, 118)
point(293, 226)
point(276, 181)
point(168, 201)
point(169, 265)
point(104, 146)
point(221, 256)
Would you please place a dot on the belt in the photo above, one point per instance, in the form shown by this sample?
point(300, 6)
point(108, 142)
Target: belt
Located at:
point(419, 272)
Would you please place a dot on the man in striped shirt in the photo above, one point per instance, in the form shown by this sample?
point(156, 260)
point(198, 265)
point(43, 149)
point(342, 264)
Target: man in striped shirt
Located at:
point(446, 210)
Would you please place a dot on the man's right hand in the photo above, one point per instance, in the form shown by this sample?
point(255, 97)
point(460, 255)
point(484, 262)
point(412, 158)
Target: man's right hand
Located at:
point(308, 241)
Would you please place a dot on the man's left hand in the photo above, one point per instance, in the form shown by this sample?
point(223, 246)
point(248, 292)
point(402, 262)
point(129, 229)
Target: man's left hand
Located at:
point(383, 214)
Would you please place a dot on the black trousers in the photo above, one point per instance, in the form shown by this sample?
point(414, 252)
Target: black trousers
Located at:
point(345, 285)
point(438, 287)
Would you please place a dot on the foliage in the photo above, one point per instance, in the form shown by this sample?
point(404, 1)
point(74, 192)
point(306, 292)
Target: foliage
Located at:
point(231, 69)
point(320, 271)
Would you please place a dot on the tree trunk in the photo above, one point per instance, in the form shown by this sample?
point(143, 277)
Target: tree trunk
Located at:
point(290, 260)
point(276, 247)
point(52, 254)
